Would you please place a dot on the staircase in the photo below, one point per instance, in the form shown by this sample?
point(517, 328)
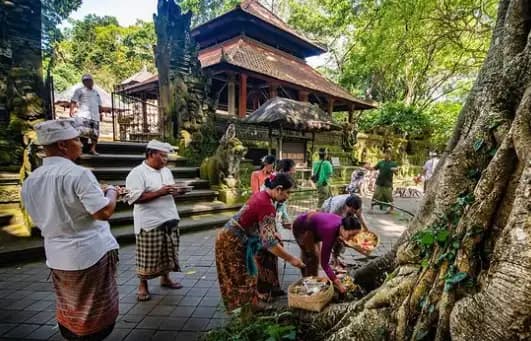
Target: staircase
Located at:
point(198, 209)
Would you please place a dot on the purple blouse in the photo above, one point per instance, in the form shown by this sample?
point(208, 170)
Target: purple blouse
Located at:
point(325, 227)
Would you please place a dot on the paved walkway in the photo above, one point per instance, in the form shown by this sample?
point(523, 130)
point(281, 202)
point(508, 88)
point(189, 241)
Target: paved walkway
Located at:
point(27, 300)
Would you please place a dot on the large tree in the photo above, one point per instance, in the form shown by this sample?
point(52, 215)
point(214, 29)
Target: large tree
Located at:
point(462, 270)
point(412, 50)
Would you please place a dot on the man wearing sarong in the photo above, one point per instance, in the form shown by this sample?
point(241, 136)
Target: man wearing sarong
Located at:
point(88, 114)
point(67, 204)
point(152, 189)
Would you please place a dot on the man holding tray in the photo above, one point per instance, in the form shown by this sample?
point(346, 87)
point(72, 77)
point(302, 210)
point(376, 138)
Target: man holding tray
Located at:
point(151, 190)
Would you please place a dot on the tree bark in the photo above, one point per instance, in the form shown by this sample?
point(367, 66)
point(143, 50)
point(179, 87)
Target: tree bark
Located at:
point(474, 282)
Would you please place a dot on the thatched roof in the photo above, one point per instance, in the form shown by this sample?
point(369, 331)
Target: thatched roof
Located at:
point(291, 114)
point(64, 97)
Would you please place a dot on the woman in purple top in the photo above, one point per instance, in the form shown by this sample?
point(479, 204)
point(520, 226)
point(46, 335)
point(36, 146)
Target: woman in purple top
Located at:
point(312, 228)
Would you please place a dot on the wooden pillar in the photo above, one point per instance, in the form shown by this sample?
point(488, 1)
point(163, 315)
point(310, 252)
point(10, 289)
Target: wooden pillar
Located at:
point(279, 144)
point(242, 105)
point(330, 106)
point(273, 90)
point(270, 145)
point(231, 94)
point(145, 126)
point(303, 95)
point(350, 113)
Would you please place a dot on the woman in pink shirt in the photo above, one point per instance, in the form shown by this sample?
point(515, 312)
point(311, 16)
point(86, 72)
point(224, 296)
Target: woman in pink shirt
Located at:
point(259, 176)
point(312, 228)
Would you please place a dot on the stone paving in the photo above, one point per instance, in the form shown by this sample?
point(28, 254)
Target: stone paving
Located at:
point(27, 299)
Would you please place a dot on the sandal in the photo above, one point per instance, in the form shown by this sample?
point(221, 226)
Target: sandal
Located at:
point(143, 297)
point(172, 285)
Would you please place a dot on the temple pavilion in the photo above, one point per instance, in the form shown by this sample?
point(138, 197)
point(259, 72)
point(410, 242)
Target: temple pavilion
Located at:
point(252, 56)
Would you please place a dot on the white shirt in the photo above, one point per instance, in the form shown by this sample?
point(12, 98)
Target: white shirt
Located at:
point(335, 204)
point(61, 197)
point(88, 102)
point(429, 167)
point(154, 213)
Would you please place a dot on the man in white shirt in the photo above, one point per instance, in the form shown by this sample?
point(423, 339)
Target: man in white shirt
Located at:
point(67, 204)
point(429, 168)
point(88, 114)
point(152, 189)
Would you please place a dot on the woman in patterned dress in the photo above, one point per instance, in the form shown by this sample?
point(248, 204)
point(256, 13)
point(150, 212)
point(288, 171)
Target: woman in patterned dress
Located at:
point(250, 230)
point(268, 282)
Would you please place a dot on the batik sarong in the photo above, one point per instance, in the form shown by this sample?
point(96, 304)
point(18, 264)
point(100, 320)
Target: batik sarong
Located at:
point(237, 286)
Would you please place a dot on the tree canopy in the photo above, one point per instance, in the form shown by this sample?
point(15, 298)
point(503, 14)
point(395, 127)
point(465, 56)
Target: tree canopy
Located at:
point(99, 45)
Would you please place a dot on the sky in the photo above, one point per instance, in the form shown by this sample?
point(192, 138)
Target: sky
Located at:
point(129, 11)
point(126, 11)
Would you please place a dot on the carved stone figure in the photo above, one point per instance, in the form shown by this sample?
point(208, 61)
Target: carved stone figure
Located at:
point(349, 138)
point(223, 168)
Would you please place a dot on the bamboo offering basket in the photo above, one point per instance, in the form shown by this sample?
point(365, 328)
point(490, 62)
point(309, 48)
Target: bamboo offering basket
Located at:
point(315, 302)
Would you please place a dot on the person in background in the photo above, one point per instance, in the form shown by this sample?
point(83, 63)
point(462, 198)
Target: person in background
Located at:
point(345, 204)
point(357, 181)
point(286, 166)
point(316, 233)
point(258, 176)
point(429, 168)
point(252, 228)
point(267, 282)
point(88, 103)
point(384, 182)
point(67, 204)
point(156, 221)
point(322, 170)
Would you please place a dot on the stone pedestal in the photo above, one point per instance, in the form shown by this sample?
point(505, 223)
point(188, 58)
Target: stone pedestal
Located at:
point(228, 195)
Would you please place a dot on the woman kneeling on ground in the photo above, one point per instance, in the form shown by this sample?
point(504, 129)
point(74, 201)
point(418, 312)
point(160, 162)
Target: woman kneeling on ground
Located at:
point(310, 229)
point(251, 229)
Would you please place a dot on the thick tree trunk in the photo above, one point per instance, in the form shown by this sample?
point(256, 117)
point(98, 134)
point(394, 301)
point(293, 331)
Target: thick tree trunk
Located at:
point(462, 270)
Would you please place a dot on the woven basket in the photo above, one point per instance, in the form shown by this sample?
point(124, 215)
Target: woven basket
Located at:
point(315, 302)
point(355, 242)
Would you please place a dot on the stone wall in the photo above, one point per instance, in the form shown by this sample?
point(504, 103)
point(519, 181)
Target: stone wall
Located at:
point(20, 75)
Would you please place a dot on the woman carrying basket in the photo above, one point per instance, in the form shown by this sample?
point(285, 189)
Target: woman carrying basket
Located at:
point(310, 229)
point(251, 229)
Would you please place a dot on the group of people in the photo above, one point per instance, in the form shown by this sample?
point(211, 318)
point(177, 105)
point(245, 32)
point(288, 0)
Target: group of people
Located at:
point(82, 253)
point(72, 211)
point(249, 245)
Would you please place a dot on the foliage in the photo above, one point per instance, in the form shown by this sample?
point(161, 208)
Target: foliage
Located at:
point(276, 327)
point(53, 12)
point(442, 117)
point(205, 10)
point(99, 45)
point(415, 51)
point(440, 236)
point(397, 118)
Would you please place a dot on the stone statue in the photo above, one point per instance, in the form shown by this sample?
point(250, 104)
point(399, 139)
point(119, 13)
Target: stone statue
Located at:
point(223, 168)
point(349, 137)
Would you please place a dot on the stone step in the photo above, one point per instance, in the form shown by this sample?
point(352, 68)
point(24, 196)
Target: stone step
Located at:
point(185, 210)
point(196, 182)
point(120, 173)
point(32, 249)
point(195, 196)
point(123, 160)
point(125, 233)
point(121, 147)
